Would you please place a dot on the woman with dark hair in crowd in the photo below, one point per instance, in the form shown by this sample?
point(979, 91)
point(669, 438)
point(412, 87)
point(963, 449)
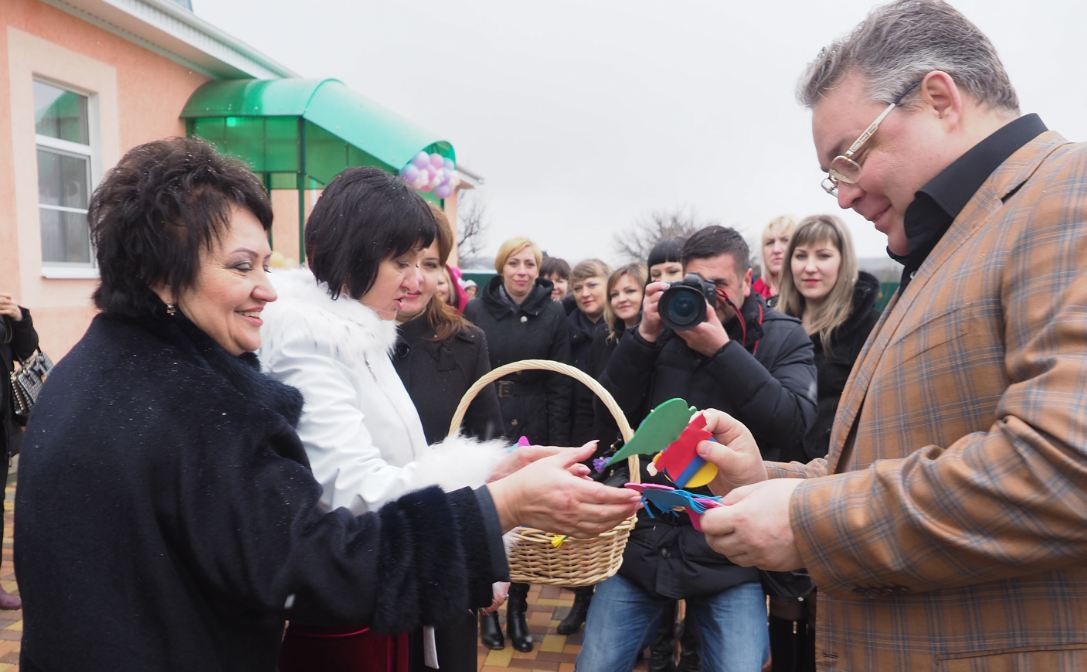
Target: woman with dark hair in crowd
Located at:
point(822, 285)
point(167, 517)
point(775, 243)
point(521, 321)
point(18, 341)
point(558, 272)
point(665, 261)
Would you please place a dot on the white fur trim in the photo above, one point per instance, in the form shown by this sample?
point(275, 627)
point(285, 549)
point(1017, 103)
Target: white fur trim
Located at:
point(304, 308)
point(459, 462)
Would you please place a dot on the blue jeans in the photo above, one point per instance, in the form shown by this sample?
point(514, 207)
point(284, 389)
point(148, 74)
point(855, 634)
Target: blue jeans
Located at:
point(731, 627)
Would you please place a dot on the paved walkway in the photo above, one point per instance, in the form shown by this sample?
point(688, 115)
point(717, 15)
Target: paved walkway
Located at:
point(547, 606)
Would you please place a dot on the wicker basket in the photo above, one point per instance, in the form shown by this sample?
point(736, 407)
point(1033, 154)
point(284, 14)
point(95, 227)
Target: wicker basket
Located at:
point(533, 557)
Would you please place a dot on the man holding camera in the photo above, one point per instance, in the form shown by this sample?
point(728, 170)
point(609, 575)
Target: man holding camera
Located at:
point(725, 350)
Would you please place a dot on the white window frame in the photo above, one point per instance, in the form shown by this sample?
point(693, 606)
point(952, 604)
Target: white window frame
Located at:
point(73, 270)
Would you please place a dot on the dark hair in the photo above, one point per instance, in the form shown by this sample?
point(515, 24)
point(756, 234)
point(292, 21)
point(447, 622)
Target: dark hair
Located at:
point(555, 266)
point(364, 216)
point(154, 212)
point(670, 249)
point(715, 240)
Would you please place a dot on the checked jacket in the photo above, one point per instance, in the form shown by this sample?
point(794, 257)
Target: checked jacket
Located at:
point(947, 527)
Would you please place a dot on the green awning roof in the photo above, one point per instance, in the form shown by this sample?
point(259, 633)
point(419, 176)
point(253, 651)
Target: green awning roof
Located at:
point(311, 128)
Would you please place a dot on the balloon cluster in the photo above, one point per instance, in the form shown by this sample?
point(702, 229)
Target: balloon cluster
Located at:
point(431, 172)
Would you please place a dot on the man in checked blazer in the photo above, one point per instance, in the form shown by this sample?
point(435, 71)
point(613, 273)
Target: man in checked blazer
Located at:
point(947, 527)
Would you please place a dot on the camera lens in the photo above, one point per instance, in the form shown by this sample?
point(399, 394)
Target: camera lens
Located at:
point(682, 307)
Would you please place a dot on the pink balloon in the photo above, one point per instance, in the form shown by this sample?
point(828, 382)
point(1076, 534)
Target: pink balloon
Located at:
point(421, 160)
point(444, 191)
point(409, 173)
point(437, 161)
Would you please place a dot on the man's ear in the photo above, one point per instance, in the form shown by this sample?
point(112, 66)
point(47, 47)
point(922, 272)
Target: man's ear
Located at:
point(747, 283)
point(942, 95)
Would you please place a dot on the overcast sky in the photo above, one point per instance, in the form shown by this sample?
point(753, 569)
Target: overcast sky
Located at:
point(583, 116)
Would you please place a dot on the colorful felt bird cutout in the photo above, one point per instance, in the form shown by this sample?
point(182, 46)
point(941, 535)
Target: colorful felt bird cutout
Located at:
point(660, 428)
point(680, 461)
point(666, 498)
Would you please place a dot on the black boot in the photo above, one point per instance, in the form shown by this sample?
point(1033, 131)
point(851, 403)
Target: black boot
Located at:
point(490, 632)
point(515, 617)
point(578, 611)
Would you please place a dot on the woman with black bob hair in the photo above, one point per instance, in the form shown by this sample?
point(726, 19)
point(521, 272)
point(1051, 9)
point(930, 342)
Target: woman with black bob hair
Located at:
point(331, 335)
point(167, 517)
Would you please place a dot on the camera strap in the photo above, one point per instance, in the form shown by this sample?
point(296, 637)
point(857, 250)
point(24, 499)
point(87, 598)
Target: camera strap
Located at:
point(743, 322)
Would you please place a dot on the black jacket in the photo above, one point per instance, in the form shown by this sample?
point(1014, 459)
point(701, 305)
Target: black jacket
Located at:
point(535, 404)
point(767, 381)
point(835, 362)
point(167, 518)
point(582, 333)
point(18, 340)
point(438, 373)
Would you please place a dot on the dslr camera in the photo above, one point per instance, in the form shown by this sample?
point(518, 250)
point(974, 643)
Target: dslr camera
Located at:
point(683, 305)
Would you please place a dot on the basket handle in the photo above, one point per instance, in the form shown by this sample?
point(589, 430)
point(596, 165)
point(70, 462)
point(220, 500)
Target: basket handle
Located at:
point(555, 367)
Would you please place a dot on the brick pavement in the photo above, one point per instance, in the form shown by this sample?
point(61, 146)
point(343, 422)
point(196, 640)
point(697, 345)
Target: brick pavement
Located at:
point(547, 606)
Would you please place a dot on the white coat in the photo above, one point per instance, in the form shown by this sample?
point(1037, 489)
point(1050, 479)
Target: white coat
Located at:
point(359, 427)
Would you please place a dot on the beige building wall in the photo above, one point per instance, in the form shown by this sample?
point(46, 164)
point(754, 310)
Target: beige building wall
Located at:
point(135, 95)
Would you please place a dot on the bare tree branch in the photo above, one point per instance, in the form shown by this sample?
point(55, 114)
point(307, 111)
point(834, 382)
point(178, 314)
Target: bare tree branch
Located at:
point(636, 242)
point(471, 227)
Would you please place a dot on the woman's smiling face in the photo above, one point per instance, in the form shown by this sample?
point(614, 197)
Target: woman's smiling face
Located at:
point(231, 286)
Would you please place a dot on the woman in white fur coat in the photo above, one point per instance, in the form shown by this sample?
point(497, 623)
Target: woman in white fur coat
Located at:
point(360, 429)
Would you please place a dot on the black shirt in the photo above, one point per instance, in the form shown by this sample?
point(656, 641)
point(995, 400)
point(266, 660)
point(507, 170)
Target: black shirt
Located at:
point(940, 201)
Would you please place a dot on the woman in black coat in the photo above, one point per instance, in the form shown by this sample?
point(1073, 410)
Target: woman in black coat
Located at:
point(521, 321)
point(439, 355)
point(835, 301)
point(588, 286)
point(18, 341)
point(166, 514)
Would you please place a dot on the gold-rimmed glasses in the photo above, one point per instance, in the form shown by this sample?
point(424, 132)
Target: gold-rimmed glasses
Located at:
point(843, 168)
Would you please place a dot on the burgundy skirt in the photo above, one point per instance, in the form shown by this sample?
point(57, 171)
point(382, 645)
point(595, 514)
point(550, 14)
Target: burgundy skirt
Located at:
point(311, 649)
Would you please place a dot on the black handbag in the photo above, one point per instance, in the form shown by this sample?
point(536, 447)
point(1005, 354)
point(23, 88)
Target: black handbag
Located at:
point(27, 382)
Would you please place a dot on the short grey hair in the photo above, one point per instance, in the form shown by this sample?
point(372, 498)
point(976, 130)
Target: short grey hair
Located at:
point(899, 43)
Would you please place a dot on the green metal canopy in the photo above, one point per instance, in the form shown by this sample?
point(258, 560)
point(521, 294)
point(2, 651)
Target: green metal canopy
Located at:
point(306, 127)
point(300, 133)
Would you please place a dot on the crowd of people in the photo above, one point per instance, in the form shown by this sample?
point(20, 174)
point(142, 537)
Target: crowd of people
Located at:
point(241, 470)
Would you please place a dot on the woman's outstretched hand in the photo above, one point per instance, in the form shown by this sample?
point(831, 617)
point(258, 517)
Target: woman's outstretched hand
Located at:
point(554, 493)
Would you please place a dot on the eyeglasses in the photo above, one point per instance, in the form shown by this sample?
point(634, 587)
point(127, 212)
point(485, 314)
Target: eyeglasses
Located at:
point(842, 167)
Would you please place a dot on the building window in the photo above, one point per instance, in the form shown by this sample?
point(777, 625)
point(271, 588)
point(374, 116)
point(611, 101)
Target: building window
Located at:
point(65, 156)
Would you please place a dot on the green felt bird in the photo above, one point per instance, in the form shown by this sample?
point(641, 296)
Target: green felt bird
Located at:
point(660, 429)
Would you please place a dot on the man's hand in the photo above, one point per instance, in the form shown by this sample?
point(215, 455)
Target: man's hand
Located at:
point(650, 326)
point(8, 308)
point(555, 494)
point(735, 453)
point(753, 528)
point(706, 338)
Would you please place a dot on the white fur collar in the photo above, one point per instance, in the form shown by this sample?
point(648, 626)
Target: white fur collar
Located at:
point(343, 323)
